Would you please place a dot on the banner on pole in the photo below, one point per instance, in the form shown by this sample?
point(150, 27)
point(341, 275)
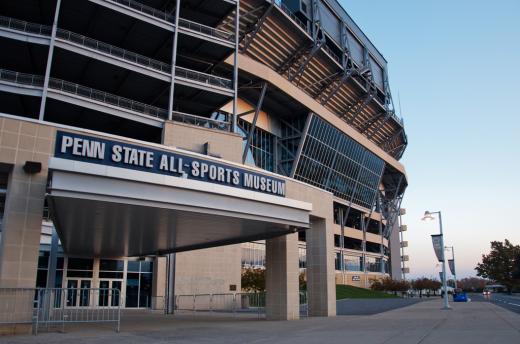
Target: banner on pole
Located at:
point(437, 246)
point(451, 263)
point(441, 277)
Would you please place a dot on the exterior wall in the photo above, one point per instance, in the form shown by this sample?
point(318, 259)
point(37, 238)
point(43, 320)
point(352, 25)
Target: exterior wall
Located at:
point(395, 253)
point(212, 270)
point(208, 271)
point(226, 145)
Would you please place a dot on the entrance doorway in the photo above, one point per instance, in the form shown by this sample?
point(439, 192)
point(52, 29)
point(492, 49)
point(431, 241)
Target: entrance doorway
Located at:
point(107, 296)
point(78, 292)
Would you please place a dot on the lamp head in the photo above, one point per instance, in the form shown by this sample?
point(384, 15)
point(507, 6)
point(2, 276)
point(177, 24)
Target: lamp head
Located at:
point(427, 216)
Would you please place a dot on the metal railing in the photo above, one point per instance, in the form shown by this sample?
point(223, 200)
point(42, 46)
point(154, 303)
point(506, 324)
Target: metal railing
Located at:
point(203, 77)
point(253, 303)
point(293, 16)
point(107, 98)
point(113, 50)
point(200, 121)
point(332, 54)
point(207, 30)
point(46, 307)
point(58, 306)
point(21, 25)
point(145, 9)
point(21, 78)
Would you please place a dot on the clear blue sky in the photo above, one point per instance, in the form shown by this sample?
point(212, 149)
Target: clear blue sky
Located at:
point(456, 66)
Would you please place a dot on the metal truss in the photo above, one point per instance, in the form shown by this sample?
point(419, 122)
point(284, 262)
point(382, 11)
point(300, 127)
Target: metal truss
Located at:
point(303, 56)
point(287, 145)
point(380, 125)
point(390, 201)
point(250, 34)
point(252, 128)
point(331, 89)
point(355, 109)
point(363, 126)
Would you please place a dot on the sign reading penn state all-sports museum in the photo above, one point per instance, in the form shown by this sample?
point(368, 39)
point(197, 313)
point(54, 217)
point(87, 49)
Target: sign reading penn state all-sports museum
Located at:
point(124, 155)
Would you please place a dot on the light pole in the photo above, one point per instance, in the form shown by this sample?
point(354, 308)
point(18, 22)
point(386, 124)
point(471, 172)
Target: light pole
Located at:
point(428, 215)
point(454, 270)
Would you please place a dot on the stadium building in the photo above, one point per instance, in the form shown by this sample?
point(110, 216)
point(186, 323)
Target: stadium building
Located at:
point(159, 147)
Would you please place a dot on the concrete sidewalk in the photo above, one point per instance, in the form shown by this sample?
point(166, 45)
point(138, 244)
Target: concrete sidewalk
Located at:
point(424, 322)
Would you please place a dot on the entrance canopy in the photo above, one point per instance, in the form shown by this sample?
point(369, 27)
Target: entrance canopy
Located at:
point(113, 212)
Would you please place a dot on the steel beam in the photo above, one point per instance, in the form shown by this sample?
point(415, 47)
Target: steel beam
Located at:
point(174, 60)
point(253, 123)
point(368, 122)
point(302, 142)
point(257, 27)
point(49, 60)
point(346, 75)
point(233, 126)
point(381, 124)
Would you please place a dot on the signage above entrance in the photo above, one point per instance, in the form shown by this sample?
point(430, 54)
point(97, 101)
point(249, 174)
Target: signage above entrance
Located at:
point(124, 155)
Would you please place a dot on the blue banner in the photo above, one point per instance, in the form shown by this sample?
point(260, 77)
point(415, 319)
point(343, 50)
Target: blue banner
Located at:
point(124, 155)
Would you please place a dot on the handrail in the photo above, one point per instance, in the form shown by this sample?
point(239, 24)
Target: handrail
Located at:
point(291, 14)
point(113, 50)
point(331, 53)
point(200, 121)
point(145, 9)
point(22, 25)
point(207, 30)
point(21, 78)
point(203, 77)
point(108, 98)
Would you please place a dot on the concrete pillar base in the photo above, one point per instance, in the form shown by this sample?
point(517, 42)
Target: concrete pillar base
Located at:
point(321, 283)
point(282, 278)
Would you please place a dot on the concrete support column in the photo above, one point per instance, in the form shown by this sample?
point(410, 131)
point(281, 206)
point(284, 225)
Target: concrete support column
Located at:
point(21, 228)
point(321, 283)
point(281, 257)
point(159, 283)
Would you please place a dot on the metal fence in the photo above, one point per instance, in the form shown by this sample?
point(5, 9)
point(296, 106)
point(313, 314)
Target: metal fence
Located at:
point(56, 307)
point(291, 14)
point(113, 50)
point(200, 121)
point(253, 303)
point(59, 306)
point(145, 9)
point(21, 25)
point(21, 78)
point(207, 30)
point(107, 98)
point(202, 77)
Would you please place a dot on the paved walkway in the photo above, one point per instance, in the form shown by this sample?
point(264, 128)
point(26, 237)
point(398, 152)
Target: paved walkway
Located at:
point(424, 322)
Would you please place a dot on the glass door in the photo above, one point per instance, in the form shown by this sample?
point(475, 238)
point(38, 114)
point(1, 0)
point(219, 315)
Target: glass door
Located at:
point(78, 297)
point(107, 296)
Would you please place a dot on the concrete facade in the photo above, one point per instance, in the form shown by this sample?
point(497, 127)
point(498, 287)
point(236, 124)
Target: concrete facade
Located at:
point(266, 129)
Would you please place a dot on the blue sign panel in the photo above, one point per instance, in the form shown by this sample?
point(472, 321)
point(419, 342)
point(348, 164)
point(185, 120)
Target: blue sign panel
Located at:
point(124, 155)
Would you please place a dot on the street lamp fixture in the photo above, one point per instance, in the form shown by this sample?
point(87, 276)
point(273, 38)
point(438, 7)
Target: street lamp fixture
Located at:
point(428, 215)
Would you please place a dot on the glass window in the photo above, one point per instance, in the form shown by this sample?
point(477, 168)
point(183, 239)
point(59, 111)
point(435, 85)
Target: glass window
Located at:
point(133, 266)
point(261, 149)
point(80, 267)
point(335, 162)
point(111, 265)
point(139, 279)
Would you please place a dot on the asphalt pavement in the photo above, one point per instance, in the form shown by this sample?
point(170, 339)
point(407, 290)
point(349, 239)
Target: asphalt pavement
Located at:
point(372, 306)
point(509, 302)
